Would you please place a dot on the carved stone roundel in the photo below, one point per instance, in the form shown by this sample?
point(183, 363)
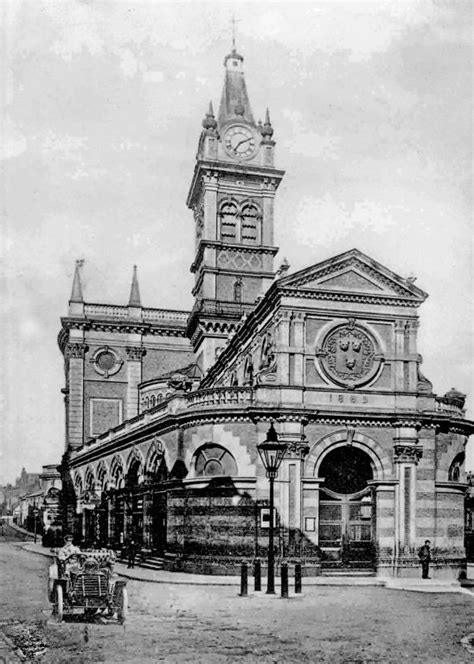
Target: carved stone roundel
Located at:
point(348, 355)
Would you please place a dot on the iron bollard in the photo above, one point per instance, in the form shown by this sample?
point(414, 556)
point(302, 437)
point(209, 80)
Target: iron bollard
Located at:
point(284, 579)
point(257, 575)
point(243, 580)
point(298, 578)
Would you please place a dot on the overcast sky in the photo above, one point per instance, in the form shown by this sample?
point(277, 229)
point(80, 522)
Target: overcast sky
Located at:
point(102, 104)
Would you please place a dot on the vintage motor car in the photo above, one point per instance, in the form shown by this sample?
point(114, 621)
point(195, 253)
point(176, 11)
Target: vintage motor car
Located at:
point(85, 583)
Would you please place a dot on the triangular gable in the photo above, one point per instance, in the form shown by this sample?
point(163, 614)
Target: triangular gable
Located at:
point(353, 272)
point(349, 279)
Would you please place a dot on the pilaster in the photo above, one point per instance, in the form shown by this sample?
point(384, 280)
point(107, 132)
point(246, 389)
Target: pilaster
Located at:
point(75, 352)
point(134, 377)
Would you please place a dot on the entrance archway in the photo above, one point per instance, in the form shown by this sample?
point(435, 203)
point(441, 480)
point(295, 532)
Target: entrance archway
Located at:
point(346, 522)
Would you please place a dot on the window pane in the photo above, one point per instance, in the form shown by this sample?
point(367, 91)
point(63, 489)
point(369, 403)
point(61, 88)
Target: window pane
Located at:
point(330, 533)
point(330, 512)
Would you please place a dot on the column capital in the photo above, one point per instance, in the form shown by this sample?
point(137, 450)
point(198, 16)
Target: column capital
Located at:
point(75, 350)
point(135, 353)
point(407, 453)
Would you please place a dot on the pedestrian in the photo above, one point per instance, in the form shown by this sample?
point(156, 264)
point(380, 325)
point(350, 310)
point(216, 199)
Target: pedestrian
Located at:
point(424, 554)
point(132, 552)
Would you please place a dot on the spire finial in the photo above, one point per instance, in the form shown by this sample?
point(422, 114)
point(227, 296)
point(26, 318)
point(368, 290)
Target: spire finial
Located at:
point(76, 294)
point(267, 129)
point(135, 300)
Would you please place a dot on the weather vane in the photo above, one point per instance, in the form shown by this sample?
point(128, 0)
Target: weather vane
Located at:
point(234, 22)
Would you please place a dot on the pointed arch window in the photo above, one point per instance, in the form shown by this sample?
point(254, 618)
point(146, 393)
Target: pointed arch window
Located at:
point(228, 219)
point(250, 224)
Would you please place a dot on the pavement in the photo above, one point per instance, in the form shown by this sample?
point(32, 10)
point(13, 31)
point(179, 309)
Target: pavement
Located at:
point(181, 578)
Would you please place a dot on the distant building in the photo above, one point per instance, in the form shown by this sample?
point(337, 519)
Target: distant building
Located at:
point(10, 494)
point(165, 408)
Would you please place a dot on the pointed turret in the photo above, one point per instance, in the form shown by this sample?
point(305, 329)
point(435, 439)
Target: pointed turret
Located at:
point(209, 123)
point(235, 104)
point(76, 301)
point(267, 130)
point(135, 300)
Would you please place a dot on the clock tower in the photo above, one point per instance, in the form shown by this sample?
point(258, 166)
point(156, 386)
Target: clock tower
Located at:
point(232, 197)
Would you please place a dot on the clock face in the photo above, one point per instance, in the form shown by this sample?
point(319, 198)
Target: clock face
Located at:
point(239, 142)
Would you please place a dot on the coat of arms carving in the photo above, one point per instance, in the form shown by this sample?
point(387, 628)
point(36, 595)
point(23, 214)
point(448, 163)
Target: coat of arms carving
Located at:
point(348, 355)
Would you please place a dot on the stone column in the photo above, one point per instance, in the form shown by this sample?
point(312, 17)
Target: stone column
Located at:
point(282, 339)
point(291, 475)
point(134, 378)
point(75, 353)
point(399, 355)
point(406, 453)
point(298, 347)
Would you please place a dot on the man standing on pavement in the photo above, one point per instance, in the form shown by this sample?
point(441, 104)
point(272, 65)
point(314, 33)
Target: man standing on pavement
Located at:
point(424, 554)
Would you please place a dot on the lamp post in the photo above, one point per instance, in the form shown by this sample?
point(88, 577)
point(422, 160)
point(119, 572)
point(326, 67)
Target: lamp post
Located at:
point(271, 453)
point(35, 516)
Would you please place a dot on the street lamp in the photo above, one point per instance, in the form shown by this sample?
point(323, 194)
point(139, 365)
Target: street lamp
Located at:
point(271, 453)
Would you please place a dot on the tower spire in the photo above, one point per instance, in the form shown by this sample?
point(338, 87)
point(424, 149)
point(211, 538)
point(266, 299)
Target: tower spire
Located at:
point(76, 293)
point(235, 104)
point(135, 300)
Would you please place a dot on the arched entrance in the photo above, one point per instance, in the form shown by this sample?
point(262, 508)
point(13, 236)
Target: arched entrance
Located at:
point(346, 514)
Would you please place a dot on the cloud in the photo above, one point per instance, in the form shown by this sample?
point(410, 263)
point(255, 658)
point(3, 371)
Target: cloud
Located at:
point(13, 143)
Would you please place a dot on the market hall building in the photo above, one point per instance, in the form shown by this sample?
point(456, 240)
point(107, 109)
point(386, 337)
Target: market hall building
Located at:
point(164, 409)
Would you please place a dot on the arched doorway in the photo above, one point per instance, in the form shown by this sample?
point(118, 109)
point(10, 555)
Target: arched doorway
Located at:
point(346, 514)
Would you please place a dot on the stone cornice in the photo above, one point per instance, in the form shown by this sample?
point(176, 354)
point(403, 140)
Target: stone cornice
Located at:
point(120, 326)
point(214, 169)
point(129, 433)
point(343, 296)
point(242, 248)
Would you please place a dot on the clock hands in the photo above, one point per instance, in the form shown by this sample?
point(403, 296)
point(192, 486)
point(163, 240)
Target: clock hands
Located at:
point(245, 140)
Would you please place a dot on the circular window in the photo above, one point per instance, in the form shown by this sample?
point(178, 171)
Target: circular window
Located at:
point(106, 362)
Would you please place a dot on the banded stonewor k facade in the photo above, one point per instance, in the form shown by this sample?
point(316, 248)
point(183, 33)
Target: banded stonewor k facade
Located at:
point(164, 409)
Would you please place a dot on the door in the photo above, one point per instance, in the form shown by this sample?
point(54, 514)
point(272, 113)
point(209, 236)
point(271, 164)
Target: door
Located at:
point(346, 529)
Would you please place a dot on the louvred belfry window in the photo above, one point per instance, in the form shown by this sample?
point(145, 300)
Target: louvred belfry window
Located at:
point(250, 221)
point(228, 216)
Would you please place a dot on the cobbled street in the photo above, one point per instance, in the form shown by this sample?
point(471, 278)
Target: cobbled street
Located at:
point(176, 623)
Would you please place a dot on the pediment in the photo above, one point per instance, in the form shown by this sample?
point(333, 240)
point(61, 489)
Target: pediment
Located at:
point(353, 272)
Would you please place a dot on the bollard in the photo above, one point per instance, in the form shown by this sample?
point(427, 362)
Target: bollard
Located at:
point(284, 579)
point(298, 578)
point(243, 580)
point(257, 575)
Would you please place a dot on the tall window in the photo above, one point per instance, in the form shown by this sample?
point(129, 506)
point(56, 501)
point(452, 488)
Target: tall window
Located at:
point(213, 460)
point(250, 224)
point(228, 217)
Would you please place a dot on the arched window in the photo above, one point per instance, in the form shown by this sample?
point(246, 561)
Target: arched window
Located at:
point(213, 460)
point(238, 290)
point(147, 403)
point(250, 223)
point(456, 467)
point(228, 216)
point(152, 401)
